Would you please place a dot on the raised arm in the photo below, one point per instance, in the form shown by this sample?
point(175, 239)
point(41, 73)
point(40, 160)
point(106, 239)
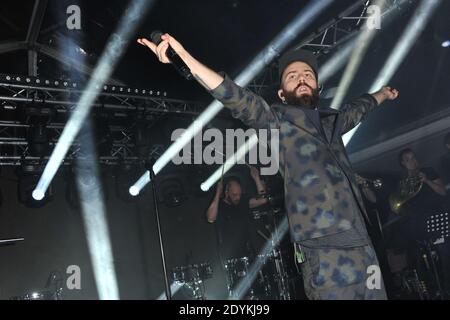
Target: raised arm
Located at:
point(358, 109)
point(205, 76)
point(368, 193)
point(437, 185)
point(213, 209)
point(244, 104)
point(260, 187)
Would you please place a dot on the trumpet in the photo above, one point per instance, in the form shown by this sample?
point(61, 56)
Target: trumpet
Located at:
point(376, 183)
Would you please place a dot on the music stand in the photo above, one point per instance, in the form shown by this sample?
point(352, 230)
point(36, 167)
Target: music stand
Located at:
point(438, 228)
point(438, 225)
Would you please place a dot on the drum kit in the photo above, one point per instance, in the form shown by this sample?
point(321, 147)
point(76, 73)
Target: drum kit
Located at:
point(271, 275)
point(192, 277)
point(270, 281)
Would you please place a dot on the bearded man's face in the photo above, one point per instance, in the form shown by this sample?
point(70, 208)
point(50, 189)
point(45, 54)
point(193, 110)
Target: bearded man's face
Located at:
point(299, 85)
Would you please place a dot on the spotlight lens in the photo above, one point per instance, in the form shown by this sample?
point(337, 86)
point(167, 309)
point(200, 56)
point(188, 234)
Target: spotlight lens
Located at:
point(38, 195)
point(446, 44)
point(134, 191)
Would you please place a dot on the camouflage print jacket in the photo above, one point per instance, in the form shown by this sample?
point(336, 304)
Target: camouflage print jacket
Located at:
point(321, 194)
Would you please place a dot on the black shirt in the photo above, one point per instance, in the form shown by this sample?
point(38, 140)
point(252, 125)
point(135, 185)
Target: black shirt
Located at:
point(233, 228)
point(418, 209)
point(427, 201)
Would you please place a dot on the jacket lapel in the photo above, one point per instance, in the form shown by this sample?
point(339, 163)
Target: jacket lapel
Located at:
point(331, 122)
point(302, 118)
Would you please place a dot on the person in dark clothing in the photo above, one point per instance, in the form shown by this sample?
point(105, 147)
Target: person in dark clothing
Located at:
point(231, 215)
point(322, 200)
point(431, 194)
point(426, 196)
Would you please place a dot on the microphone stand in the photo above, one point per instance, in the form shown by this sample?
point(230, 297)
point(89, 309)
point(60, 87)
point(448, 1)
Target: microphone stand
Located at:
point(149, 166)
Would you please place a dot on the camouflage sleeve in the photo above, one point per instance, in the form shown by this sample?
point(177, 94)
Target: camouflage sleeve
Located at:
point(245, 105)
point(357, 111)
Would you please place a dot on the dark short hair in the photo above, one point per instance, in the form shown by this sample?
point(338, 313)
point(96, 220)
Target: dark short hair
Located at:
point(402, 154)
point(447, 139)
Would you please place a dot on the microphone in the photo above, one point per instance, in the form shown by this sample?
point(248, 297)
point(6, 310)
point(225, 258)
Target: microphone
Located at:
point(174, 58)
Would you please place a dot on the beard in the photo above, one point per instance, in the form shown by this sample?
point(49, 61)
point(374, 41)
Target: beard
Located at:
point(306, 100)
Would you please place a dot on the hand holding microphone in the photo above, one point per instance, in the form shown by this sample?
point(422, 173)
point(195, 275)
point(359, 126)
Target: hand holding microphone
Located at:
point(168, 50)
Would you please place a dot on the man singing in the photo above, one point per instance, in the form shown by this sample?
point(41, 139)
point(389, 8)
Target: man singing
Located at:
point(324, 206)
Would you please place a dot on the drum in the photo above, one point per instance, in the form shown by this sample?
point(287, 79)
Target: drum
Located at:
point(192, 273)
point(237, 267)
point(177, 274)
point(205, 271)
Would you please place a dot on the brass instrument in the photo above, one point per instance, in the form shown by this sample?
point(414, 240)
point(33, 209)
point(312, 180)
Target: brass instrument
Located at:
point(377, 183)
point(407, 189)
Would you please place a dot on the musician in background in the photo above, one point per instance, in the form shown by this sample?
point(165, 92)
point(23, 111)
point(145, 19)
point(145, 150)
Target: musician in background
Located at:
point(230, 213)
point(432, 194)
point(423, 194)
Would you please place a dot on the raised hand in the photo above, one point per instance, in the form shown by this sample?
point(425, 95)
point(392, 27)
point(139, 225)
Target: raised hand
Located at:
point(386, 93)
point(161, 49)
point(390, 93)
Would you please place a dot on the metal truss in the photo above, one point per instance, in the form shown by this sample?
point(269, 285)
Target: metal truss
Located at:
point(14, 146)
point(64, 95)
point(326, 39)
point(34, 48)
point(23, 98)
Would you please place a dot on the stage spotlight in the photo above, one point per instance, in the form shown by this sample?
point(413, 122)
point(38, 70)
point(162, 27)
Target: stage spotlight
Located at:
point(172, 192)
point(445, 44)
point(124, 174)
point(136, 188)
point(28, 176)
point(38, 195)
point(113, 52)
point(134, 191)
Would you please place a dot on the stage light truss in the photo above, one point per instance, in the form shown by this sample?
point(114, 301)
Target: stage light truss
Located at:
point(326, 39)
point(14, 146)
point(60, 96)
point(63, 96)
